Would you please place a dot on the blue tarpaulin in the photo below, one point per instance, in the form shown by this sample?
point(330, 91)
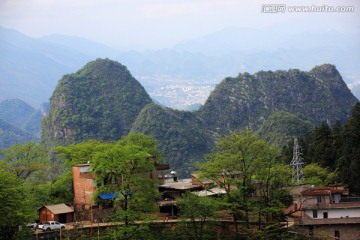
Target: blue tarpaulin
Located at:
point(105, 196)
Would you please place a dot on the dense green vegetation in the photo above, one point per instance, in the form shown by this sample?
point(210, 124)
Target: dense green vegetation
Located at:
point(102, 101)
point(240, 159)
point(15, 205)
point(182, 135)
point(127, 165)
point(201, 211)
point(336, 148)
point(281, 127)
point(319, 176)
point(280, 105)
point(241, 163)
point(29, 181)
point(244, 166)
point(247, 100)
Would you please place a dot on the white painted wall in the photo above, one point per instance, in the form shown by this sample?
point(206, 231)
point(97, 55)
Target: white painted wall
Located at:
point(335, 213)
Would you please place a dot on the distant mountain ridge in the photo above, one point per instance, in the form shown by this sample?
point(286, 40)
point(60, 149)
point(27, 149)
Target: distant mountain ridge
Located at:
point(246, 100)
point(16, 111)
point(20, 122)
point(31, 67)
point(232, 39)
point(103, 101)
point(81, 45)
point(29, 64)
point(10, 135)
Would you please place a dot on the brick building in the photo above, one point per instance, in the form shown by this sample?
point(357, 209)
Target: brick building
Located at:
point(85, 185)
point(329, 213)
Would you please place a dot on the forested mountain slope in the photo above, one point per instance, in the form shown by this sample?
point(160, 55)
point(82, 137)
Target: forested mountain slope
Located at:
point(103, 101)
point(183, 135)
point(100, 101)
point(247, 100)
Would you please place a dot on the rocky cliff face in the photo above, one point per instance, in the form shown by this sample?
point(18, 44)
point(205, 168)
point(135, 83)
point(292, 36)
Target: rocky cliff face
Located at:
point(103, 101)
point(247, 100)
point(100, 101)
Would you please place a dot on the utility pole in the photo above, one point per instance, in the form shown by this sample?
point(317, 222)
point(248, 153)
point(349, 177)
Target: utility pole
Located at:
point(296, 164)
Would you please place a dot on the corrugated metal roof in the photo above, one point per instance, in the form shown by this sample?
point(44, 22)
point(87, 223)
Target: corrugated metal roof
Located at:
point(59, 208)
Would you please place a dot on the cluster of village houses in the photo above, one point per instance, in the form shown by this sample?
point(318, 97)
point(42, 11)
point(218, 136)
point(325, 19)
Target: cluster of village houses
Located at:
point(328, 211)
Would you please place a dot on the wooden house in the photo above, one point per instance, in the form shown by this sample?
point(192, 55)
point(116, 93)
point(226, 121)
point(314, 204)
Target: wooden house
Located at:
point(58, 212)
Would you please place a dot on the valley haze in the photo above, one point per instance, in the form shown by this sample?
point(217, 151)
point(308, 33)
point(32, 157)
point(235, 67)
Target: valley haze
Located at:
point(178, 50)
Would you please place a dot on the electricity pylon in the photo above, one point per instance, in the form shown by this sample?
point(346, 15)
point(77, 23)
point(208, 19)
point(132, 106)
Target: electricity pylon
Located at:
point(296, 164)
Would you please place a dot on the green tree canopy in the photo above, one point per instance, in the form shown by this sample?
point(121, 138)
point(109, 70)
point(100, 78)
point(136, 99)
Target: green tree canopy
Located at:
point(81, 152)
point(125, 168)
point(238, 160)
point(335, 150)
point(24, 160)
point(319, 176)
point(16, 203)
point(199, 210)
point(147, 143)
point(349, 162)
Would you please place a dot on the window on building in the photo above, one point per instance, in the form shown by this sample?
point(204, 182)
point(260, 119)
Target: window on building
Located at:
point(319, 199)
point(337, 234)
point(314, 213)
point(325, 214)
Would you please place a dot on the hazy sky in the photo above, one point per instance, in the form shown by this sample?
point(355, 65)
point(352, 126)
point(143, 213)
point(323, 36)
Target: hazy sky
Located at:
point(141, 24)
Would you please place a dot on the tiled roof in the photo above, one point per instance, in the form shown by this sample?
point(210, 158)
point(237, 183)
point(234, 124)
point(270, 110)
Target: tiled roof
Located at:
point(341, 205)
point(324, 191)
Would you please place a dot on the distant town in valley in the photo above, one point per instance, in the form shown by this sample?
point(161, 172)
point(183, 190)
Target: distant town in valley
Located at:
point(179, 120)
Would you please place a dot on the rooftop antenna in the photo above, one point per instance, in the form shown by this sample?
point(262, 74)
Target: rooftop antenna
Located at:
point(296, 164)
